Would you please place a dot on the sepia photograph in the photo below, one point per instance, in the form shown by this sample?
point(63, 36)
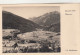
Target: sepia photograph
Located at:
point(31, 29)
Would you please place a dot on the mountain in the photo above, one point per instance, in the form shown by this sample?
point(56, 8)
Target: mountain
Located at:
point(12, 21)
point(51, 21)
point(47, 19)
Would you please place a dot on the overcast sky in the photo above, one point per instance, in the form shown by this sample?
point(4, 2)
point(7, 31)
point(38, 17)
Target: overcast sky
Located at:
point(31, 11)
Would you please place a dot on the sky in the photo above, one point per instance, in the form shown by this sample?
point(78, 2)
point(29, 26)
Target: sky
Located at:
point(31, 11)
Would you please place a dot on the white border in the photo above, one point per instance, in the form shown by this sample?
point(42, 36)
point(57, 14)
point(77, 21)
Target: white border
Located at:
point(37, 1)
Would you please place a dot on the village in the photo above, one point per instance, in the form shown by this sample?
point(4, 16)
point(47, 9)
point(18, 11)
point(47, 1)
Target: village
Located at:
point(36, 41)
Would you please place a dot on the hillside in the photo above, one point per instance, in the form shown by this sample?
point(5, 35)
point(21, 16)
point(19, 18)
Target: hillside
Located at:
point(12, 21)
point(47, 19)
point(51, 21)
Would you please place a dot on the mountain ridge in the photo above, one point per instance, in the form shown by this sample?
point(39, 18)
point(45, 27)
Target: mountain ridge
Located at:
point(10, 20)
point(49, 20)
